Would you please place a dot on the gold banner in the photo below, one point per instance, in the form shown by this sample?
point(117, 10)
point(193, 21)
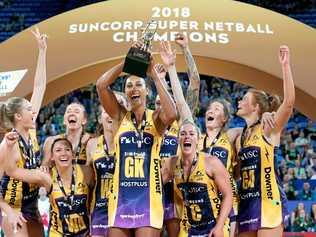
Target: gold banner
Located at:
point(229, 39)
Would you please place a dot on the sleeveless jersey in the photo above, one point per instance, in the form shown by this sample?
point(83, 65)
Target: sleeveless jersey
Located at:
point(20, 195)
point(136, 200)
point(201, 200)
point(169, 148)
point(261, 197)
point(224, 151)
point(103, 166)
point(67, 219)
point(80, 152)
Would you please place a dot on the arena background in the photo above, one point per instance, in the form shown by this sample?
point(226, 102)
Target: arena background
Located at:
point(297, 159)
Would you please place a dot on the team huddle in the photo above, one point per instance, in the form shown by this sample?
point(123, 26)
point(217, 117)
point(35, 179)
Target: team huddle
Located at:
point(147, 170)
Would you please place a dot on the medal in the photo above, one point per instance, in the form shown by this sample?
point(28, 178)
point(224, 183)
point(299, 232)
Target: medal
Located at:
point(69, 199)
point(139, 132)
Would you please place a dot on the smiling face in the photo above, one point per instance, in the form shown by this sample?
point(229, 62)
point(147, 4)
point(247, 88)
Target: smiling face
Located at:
point(135, 90)
point(62, 153)
point(188, 138)
point(215, 116)
point(74, 117)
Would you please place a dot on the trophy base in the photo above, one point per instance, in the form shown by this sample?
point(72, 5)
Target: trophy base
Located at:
point(137, 62)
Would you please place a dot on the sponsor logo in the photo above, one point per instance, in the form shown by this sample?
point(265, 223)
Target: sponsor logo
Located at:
point(170, 141)
point(157, 175)
point(195, 189)
point(13, 192)
point(267, 181)
point(249, 154)
point(133, 140)
point(129, 184)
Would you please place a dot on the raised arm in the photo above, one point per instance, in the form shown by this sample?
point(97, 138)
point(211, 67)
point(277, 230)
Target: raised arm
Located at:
point(40, 74)
point(192, 96)
point(284, 112)
point(107, 96)
point(168, 57)
point(167, 114)
point(216, 169)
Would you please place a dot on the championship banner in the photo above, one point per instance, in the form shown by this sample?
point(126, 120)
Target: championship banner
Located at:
point(228, 39)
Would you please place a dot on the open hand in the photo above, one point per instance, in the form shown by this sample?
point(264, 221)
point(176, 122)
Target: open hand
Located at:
point(168, 56)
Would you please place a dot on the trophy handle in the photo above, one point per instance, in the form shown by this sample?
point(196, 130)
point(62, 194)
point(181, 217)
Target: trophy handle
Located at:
point(149, 33)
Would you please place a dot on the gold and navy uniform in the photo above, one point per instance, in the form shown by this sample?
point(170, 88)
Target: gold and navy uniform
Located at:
point(69, 218)
point(201, 200)
point(80, 151)
point(224, 151)
point(261, 197)
point(20, 195)
point(136, 200)
point(103, 166)
point(169, 148)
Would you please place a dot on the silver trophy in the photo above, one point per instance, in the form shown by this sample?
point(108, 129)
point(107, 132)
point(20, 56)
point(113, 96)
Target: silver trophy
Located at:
point(138, 59)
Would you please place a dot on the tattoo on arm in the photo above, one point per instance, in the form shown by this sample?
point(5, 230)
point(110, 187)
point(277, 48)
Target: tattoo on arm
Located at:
point(193, 73)
point(194, 86)
point(193, 100)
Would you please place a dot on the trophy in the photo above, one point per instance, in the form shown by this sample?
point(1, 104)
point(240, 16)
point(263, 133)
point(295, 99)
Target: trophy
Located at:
point(138, 59)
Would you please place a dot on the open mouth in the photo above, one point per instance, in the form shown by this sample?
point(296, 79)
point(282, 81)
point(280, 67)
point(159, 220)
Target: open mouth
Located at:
point(187, 144)
point(72, 120)
point(64, 160)
point(210, 118)
point(135, 97)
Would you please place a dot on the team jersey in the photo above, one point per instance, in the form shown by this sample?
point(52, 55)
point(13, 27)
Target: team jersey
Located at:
point(224, 151)
point(261, 197)
point(20, 195)
point(103, 166)
point(200, 197)
point(136, 200)
point(69, 216)
point(80, 151)
point(169, 148)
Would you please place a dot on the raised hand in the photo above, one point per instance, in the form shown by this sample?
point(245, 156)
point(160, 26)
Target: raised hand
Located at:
point(168, 56)
point(40, 38)
point(284, 55)
point(182, 40)
point(160, 71)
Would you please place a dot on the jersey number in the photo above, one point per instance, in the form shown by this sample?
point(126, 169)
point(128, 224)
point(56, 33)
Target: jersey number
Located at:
point(196, 212)
point(75, 223)
point(105, 187)
point(248, 179)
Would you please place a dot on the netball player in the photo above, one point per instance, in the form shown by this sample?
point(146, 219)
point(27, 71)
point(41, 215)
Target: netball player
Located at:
point(262, 200)
point(20, 114)
point(75, 118)
point(135, 205)
point(198, 176)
